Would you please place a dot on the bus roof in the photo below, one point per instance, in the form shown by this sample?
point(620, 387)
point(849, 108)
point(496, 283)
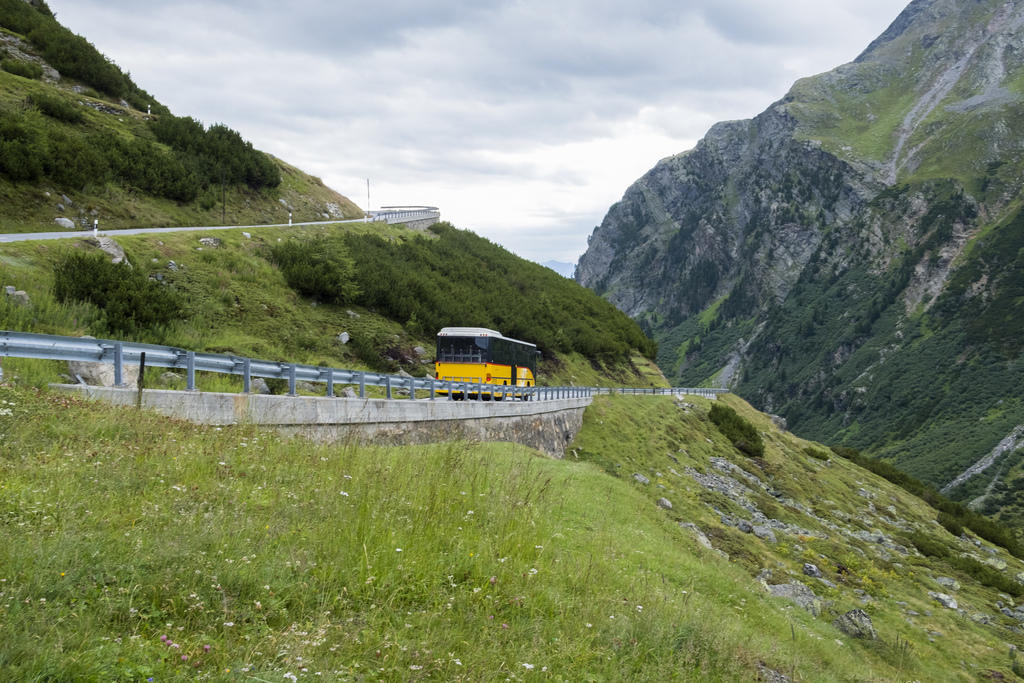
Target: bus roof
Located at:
point(477, 332)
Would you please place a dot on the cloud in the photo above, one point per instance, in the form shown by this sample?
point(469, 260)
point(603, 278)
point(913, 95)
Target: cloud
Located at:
point(524, 120)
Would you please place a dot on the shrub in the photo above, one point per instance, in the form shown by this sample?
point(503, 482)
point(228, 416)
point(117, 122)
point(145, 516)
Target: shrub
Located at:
point(56, 107)
point(129, 300)
point(927, 545)
point(816, 453)
point(740, 432)
point(320, 268)
point(989, 576)
point(951, 523)
point(21, 68)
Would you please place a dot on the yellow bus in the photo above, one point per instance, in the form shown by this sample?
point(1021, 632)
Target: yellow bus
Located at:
point(482, 356)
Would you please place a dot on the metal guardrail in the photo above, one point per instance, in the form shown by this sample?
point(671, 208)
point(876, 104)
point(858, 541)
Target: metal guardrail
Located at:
point(405, 214)
point(122, 354)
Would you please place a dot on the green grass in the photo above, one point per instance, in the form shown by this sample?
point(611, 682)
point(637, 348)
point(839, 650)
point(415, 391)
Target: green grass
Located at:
point(122, 530)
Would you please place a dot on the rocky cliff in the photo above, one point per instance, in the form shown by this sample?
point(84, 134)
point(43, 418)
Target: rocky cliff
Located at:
point(849, 258)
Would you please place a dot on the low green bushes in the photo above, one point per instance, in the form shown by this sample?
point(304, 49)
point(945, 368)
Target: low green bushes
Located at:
point(22, 68)
point(740, 432)
point(319, 268)
point(56, 107)
point(131, 302)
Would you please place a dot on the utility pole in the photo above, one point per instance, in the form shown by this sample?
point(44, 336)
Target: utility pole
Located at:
point(366, 218)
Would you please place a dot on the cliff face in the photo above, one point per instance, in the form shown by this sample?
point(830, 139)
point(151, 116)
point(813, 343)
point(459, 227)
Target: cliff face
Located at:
point(849, 257)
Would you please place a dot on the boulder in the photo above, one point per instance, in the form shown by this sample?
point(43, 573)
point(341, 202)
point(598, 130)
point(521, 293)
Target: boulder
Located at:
point(702, 538)
point(212, 242)
point(947, 582)
point(798, 593)
point(65, 223)
point(17, 296)
point(764, 533)
point(111, 248)
point(947, 601)
point(665, 503)
point(349, 392)
point(812, 570)
point(258, 385)
point(344, 337)
point(641, 478)
point(102, 374)
point(857, 624)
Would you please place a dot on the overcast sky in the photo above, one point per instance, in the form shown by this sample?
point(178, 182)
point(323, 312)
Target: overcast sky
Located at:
point(523, 120)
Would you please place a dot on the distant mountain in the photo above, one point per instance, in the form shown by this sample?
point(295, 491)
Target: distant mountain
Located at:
point(853, 257)
point(80, 142)
point(561, 267)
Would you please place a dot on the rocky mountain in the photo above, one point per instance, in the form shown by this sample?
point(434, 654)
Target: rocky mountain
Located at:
point(851, 258)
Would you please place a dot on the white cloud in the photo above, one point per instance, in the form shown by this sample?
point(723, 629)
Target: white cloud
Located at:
point(524, 120)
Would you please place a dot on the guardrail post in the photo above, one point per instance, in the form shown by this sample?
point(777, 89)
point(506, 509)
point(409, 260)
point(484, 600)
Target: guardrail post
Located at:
point(247, 375)
point(412, 388)
point(330, 383)
point(118, 362)
point(479, 390)
point(190, 371)
point(291, 380)
point(431, 385)
point(362, 385)
point(387, 386)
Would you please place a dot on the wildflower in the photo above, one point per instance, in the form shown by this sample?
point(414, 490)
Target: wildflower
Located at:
point(533, 570)
point(639, 608)
point(398, 550)
point(527, 665)
point(229, 623)
point(206, 648)
point(589, 625)
point(345, 493)
point(163, 639)
point(184, 658)
point(291, 677)
point(504, 625)
point(415, 667)
point(539, 547)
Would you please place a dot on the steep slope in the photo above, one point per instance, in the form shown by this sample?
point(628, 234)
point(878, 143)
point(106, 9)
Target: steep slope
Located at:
point(134, 547)
point(848, 258)
point(81, 142)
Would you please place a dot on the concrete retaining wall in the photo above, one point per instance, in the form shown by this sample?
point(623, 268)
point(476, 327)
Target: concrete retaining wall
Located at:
point(548, 426)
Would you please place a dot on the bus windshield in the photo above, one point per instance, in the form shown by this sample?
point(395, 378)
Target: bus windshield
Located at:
point(462, 349)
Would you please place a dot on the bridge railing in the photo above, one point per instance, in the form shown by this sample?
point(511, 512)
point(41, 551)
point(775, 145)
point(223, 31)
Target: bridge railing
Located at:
point(406, 214)
point(122, 354)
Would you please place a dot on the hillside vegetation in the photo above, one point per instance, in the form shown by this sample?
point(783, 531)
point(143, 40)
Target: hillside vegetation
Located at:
point(289, 293)
point(134, 546)
point(79, 140)
point(849, 259)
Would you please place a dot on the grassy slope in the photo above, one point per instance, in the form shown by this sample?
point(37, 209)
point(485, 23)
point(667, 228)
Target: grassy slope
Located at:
point(239, 303)
point(29, 207)
point(454, 562)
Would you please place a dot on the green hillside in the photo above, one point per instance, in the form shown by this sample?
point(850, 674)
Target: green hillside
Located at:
point(289, 293)
point(80, 141)
point(133, 546)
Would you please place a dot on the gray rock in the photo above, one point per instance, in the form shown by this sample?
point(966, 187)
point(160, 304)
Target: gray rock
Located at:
point(65, 223)
point(641, 478)
point(17, 296)
point(419, 351)
point(812, 570)
point(307, 388)
point(259, 386)
point(212, 242)
point(947, 582)
point(102, 374)
point(701, 537)
point(798, 593)
point(344, 337)
point(665, 503)
point(171, 378)
point(947, 601)
point(352, 314)
point(246, 235)
point(779, 422)
point(172, 266)
point(66, 200)
point(745, 526)
point(349, 392)
point(764, 533)
point(111, 248)
point(857, 624)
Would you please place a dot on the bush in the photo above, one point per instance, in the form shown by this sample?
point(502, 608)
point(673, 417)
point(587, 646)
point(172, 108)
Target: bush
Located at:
point(320, 268)
point(951, 523)
point(989, 576)
point(129, 300)
point(740, 432)
point(56, 107)
point(23, 69)
point(927, 545)
point(816, 453)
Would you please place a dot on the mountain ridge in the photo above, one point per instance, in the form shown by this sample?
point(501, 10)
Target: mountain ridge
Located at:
point(812, 257)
